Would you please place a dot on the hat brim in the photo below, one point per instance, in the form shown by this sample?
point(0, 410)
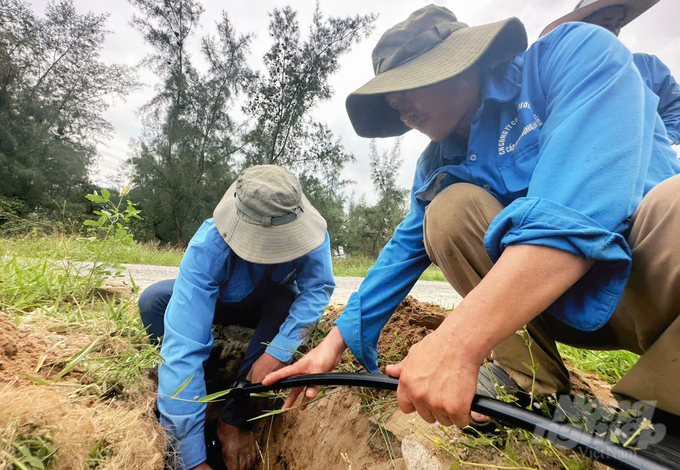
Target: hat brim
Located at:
point(269, 245)
point(370, 114)
point(635, 9)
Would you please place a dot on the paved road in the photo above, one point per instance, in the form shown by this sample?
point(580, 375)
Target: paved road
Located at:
point(426, 291)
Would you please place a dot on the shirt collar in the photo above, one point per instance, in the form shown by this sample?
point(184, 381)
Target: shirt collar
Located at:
point(503, 82)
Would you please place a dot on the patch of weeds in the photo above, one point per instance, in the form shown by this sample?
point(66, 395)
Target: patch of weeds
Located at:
point(380, 406)
point(99, 455)
point(610, 365)
point(117, 353)
point(26, 447)
point(26, 285)
point(513, 448)
point(397, 352)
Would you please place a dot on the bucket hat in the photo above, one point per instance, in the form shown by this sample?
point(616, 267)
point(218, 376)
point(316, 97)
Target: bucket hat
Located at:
point(430, 46)
point(585, 8)
point(266, 219)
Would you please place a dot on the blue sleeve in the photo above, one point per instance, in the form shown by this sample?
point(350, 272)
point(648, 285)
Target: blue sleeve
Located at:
point(316, 284)
point(188, 341)
point(660, 80)
point(595, 149)
point(397, 269)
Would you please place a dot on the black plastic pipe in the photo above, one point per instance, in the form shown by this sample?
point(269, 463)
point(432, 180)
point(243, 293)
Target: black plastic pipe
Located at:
point(609, 453)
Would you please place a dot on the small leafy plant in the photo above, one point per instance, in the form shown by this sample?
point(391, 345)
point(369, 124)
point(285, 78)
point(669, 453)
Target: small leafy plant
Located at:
point(113, 220)
point(110, 228)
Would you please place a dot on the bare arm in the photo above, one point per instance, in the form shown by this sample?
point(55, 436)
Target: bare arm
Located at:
point(525, 281)
point(439, 375)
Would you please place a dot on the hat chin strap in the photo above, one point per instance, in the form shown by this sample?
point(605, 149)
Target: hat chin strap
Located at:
point(267, 221)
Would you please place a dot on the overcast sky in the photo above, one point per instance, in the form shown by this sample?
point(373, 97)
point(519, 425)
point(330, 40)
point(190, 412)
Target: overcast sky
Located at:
point(655, 32)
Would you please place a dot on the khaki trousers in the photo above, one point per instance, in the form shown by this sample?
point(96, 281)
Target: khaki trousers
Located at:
point(645, 321)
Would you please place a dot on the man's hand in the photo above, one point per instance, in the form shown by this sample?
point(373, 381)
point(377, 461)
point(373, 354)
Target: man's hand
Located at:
point(263, 366)
point(437, 379)
point(323, 358)
point(202, 466)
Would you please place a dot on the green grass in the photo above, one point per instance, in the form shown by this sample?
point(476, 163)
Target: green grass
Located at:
point(357, 266)
point(610, 365)
point(73, 303)
point(63, 247)
point(101, 353)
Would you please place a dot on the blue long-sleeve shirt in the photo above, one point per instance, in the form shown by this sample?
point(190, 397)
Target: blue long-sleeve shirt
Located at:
point(659, 79)
point(210, 270)
point(569, 139)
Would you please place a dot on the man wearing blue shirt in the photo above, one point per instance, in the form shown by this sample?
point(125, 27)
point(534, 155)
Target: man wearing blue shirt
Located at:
point(614, 15)
point(548, 197)
point(264, 261)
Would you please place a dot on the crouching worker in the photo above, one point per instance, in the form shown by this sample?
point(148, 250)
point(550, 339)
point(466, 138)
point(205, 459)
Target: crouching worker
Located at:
point(262, 261)
point(548, 197)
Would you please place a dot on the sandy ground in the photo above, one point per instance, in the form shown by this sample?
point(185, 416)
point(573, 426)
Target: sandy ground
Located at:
point(440, 293)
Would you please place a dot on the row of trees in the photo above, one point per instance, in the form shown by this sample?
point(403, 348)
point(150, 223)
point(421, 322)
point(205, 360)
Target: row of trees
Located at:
point(54, 89)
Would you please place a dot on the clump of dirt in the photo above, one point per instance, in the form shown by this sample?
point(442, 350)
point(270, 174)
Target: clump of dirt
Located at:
point(229, 347)
point(591, 386)
point(335, 434)
point(411, 322)
point(22, 350)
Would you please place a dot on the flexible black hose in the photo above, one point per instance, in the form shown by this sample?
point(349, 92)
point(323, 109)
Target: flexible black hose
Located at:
point(613, 455)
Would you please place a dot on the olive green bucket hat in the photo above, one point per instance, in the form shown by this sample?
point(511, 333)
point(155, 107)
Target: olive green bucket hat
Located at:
point(430, 46)
point(266, 219)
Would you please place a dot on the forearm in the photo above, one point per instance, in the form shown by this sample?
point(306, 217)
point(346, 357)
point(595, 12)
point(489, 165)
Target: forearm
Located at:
point(525, 281)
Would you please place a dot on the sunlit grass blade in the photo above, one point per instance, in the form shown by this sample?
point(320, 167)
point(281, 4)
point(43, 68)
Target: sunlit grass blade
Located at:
point(72, 365)
point(214, 396)
point(271, 394)
point(321, 395)
point(182, 387)
point(37, 380)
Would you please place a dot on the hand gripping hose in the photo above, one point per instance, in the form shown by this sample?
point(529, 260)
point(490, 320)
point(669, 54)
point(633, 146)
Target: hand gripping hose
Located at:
point(613, 455)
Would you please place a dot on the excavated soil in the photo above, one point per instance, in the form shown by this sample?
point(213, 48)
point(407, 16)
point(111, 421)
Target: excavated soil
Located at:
point(411, 322)
point(345, 432)
point(75, 419)
point(21, 350)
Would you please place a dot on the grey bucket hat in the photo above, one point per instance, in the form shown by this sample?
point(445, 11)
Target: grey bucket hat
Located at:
point(266, 219)
point(430, 46)
point(585, 8)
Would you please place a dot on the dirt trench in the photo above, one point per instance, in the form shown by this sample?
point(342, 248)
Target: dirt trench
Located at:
point(361, 429)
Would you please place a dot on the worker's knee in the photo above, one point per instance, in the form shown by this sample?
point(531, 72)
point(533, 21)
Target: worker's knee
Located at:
point(663, 199)
point(459, 215)
point(154, 299)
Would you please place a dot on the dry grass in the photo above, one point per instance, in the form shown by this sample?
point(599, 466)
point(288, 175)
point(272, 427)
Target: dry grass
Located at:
point(74, 385)
point(131, 434)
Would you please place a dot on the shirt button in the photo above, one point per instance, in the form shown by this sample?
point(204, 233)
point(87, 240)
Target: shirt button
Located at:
point(487, 187)
point(473, 157)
